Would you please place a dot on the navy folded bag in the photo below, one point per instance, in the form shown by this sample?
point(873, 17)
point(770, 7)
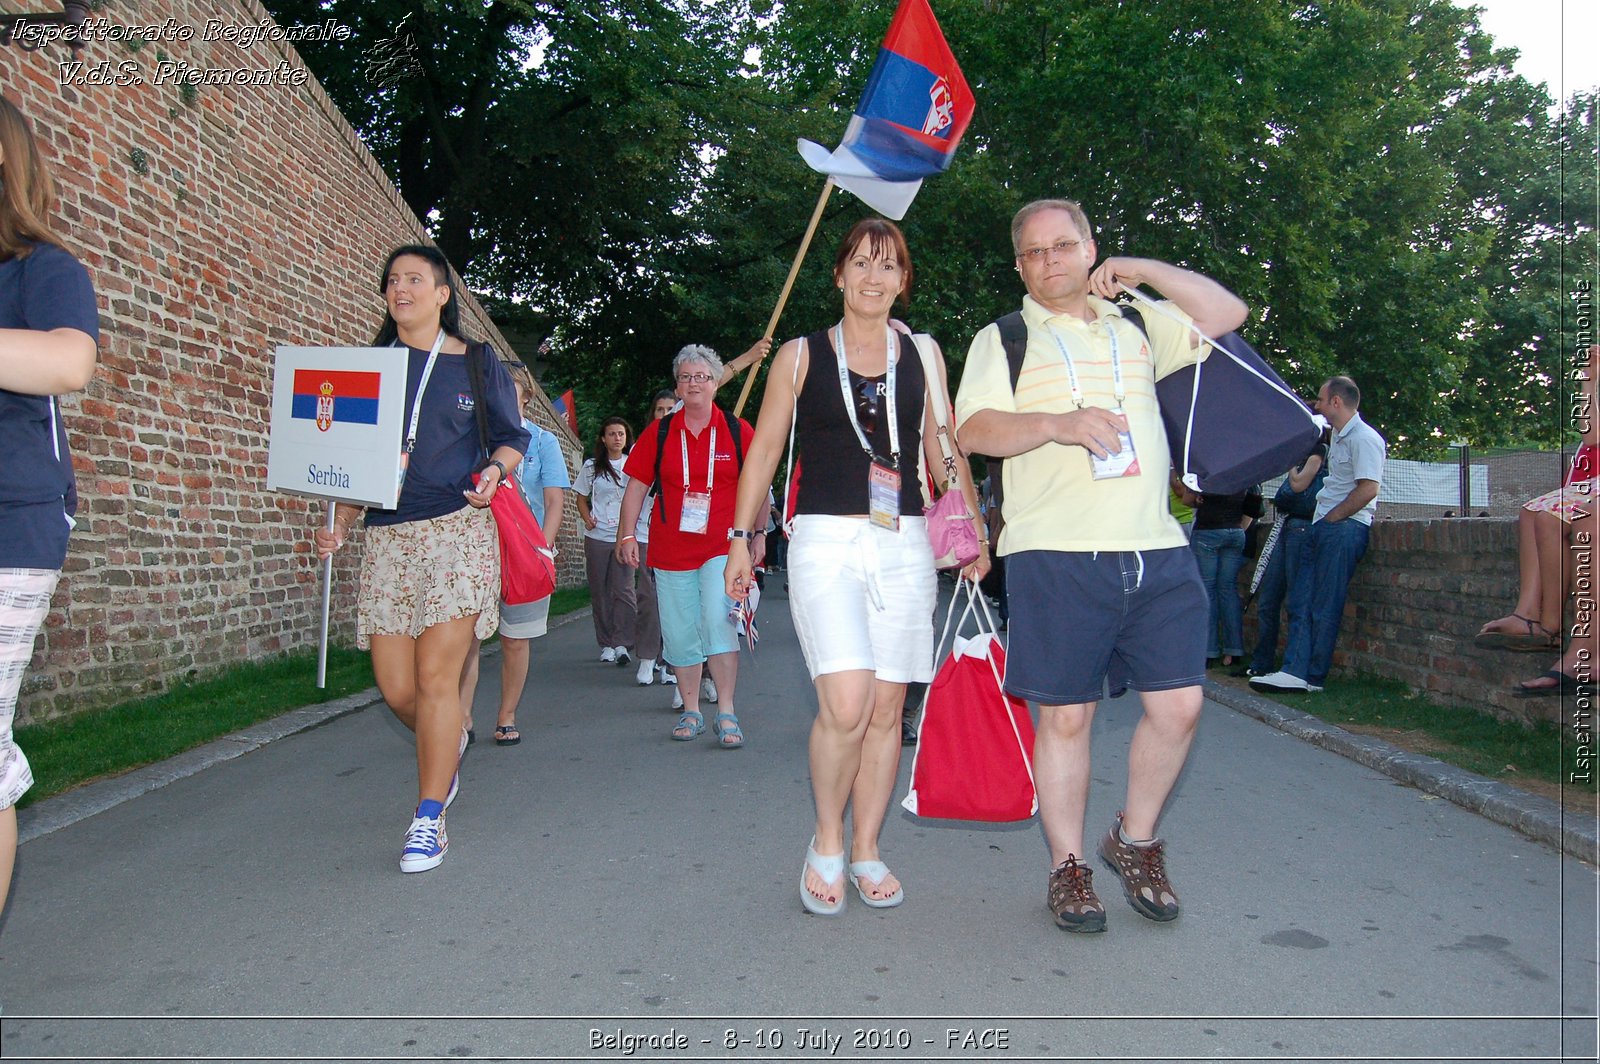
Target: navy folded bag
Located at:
point(1240, 425)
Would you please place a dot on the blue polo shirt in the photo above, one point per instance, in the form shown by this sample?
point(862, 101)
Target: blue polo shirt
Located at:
point(44, 290)
point(542, 467)
point(448, 452)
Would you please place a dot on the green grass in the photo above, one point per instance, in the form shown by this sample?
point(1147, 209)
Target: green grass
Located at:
point(65, 753)
point(1464, 737)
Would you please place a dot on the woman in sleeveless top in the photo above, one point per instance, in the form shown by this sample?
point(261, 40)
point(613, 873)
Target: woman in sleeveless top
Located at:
point(861, 572)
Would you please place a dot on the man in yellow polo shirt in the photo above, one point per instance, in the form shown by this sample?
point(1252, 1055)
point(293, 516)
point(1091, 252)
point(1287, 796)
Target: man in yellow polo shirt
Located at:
point(1101, 581)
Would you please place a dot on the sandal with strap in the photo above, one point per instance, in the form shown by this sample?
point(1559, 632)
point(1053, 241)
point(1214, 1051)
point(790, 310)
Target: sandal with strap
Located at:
point(830, 870)
point(692, 722)
point(876, 872)
point(506, 735)
point(729, 737)
point(1536, 638)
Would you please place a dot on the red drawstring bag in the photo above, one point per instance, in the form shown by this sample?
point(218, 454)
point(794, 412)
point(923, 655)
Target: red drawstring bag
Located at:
point(974, 757)
point(527, 564)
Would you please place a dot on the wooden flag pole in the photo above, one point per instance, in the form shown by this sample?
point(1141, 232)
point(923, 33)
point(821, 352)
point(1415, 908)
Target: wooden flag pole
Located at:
point(788, 285)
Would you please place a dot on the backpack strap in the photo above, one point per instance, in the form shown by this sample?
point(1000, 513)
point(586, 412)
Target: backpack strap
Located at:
point(1014, 340)
point(662, 428)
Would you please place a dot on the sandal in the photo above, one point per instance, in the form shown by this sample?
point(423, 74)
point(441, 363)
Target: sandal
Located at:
point(506, 735)
point(729, 737)
point(1536, 638)
point(877, 872)
point(692, 722)
point(828, 869)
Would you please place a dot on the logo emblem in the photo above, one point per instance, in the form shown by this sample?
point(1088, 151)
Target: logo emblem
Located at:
point(325, 406)
point(941, 108)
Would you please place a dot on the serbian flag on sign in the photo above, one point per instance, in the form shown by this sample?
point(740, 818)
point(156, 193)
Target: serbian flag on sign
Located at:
point(910, 118)
point(330, 397)
point(567, 408)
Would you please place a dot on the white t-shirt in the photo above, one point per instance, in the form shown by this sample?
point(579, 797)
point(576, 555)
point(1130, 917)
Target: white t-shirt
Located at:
point(605, 498)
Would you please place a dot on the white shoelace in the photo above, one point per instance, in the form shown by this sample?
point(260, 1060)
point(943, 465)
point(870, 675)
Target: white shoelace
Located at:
point(423, 835)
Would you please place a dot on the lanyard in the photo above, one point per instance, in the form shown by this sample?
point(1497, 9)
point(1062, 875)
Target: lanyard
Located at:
point(1116, 364)
point(422, 386)
point(850, 402)
point(711, 459)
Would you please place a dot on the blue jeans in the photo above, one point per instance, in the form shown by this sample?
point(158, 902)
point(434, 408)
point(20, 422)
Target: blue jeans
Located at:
point(1220, 555)
point(1282, 568)
point(1316, 599)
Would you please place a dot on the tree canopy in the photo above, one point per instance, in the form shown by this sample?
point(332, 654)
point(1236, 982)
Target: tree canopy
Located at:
point(1392, 201)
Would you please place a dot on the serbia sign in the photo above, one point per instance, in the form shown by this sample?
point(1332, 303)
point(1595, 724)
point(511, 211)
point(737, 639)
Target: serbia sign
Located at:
point(337, 415)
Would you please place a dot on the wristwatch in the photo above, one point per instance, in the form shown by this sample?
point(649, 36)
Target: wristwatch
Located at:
point(740, 533)
point(498, 465)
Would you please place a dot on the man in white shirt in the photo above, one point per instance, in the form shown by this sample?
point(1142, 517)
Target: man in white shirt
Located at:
point(1345, 507)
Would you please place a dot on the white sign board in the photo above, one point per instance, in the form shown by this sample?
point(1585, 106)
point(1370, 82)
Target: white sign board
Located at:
point(337, 418)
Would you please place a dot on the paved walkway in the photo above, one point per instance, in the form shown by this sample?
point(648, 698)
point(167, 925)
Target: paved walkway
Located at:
point(610, 893)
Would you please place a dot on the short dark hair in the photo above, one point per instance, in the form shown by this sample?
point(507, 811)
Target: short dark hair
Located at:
point(882, 236)
point(1346, 390)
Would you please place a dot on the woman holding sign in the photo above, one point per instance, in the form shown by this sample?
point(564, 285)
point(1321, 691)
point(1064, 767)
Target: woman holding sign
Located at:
point(861, 570)
point(49, 332)
point(430, 577)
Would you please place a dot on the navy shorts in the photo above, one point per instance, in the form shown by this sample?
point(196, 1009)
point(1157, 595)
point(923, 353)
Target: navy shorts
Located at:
point(1079, 619)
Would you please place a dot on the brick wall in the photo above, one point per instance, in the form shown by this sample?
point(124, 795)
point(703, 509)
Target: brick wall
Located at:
point(217, 223)
point(1420, 595)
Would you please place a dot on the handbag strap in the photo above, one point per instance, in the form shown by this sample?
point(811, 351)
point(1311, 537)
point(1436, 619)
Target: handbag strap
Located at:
point(941, 419)
point(794, 416)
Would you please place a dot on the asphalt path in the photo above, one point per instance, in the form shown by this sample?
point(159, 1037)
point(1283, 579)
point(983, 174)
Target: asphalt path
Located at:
point(612, 894)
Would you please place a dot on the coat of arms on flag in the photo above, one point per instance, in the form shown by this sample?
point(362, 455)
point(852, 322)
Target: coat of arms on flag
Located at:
point(911, 116)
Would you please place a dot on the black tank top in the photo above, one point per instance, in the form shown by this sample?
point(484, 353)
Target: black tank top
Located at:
point(833, 467)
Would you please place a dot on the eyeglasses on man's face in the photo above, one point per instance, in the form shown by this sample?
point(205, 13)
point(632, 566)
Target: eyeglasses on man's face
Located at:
point(694, 378)
point(1060, 247)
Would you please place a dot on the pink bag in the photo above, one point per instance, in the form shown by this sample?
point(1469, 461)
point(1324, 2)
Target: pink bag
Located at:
point(950, 531)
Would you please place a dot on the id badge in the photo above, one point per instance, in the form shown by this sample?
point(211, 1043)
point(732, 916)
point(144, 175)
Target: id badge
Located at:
point(1125, 463)
point(883, 497)
point(696, 515)
point(405, 463)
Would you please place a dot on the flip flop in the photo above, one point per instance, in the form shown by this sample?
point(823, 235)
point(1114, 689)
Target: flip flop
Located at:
point(828, 869)
point(729, 737)
point(1530, 641)
point(692, 722)
point(506, 735)
point(1565, 686)
point(876, 871)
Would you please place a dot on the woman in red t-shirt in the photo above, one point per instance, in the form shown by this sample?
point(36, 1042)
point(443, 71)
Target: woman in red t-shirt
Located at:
point(698, 462)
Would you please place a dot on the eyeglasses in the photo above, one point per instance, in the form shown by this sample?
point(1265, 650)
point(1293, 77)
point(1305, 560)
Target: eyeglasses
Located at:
point(694, 378)
point(1060, 247)
point(867, 406)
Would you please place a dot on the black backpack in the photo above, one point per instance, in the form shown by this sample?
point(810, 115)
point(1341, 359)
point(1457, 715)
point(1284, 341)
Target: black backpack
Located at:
point(662, 427)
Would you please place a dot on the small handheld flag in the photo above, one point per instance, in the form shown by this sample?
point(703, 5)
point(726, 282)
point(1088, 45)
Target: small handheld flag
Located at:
point(911, 116)
point(567, 408)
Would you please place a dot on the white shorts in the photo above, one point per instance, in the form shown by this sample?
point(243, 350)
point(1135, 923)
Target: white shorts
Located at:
point(529, 620)
point(862, 597)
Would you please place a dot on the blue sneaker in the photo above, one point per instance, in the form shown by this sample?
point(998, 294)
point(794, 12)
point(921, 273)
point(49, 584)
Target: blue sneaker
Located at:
point(426, 843)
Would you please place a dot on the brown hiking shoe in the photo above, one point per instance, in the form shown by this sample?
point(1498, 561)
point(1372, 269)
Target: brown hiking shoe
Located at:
point(1143, 872)
point(1072, 900)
